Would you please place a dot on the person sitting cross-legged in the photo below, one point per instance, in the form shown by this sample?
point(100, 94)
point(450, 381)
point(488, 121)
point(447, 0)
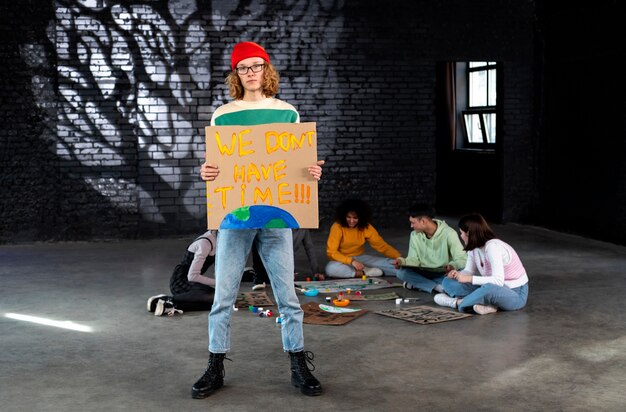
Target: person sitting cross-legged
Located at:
point(434, 250)
point(494, 277)
point(345, 246)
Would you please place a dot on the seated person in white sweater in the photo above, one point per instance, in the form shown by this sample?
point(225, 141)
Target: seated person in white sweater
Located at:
point(191, 289)
point(494, 277)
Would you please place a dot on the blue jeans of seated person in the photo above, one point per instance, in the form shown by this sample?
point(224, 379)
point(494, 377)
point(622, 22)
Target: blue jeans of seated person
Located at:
point(423, 280)
point(489, 294)
point(275, 248)
point(336, 269)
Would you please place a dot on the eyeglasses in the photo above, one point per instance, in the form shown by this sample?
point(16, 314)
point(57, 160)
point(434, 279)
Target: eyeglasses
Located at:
point(255, 69)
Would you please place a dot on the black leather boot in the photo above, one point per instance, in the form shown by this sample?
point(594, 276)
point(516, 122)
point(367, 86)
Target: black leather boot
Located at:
point(301, 374)
point(213, 377)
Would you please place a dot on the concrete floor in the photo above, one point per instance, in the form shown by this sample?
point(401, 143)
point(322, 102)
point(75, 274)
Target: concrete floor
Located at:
point(565, 351)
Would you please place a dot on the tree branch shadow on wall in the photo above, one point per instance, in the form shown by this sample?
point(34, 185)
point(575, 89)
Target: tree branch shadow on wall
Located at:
point(32, 204)
point(131, 92)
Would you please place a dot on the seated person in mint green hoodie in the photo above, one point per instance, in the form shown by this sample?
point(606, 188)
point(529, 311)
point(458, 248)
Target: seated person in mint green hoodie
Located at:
point(434, 250)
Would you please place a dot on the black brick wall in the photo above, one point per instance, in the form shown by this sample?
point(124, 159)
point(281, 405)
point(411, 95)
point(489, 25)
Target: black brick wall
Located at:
point(103, 105)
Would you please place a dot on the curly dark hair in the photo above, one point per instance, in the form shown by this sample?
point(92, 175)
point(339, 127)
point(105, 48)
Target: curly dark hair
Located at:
point(477, 229)
point(358, 206)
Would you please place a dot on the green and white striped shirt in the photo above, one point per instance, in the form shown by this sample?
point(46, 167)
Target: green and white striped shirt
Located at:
point(245, 113)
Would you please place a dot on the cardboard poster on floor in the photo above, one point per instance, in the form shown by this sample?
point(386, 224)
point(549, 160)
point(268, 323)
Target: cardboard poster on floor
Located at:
point(256, 299)
point(424, 315)
point(342, 285)
point(264, 180)
point(314, 315)
point(373, 297)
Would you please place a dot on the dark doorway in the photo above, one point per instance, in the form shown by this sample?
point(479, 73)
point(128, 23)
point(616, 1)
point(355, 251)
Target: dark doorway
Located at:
point(468, 180)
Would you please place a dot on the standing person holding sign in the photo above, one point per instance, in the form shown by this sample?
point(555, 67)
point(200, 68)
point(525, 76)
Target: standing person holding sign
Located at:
point(253, 83)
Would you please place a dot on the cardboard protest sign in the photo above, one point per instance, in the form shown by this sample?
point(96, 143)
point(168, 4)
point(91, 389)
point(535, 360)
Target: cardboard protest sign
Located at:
point(264, 179)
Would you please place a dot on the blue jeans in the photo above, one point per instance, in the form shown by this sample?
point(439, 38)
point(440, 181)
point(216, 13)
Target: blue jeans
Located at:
point(336, 269)
point(488, 294)
point(424, 280)
point(275, 248)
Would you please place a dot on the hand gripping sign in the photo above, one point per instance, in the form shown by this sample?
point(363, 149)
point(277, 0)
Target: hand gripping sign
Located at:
point(264, 180)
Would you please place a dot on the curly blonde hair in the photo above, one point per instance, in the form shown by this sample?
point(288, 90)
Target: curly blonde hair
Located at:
point(270, 82)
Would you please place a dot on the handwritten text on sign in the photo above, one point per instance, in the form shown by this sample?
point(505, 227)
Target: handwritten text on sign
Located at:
point(263, 165)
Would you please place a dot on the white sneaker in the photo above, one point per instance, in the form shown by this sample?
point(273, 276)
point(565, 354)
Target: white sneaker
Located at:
point(442, 299)
point(485, 309)
point(152, 301)
point(258, 286)
point(166, 308)
point(408, 286)
point(372, 272)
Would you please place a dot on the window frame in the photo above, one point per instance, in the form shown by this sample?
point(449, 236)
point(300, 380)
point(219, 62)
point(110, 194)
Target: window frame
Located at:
point(485, 144)
point(464, 72)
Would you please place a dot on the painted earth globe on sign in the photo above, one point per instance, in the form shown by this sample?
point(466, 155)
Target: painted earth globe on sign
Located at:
point(258, 217)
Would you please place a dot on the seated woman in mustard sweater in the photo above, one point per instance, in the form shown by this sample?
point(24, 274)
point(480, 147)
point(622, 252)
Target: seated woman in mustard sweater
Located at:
point(345, 246)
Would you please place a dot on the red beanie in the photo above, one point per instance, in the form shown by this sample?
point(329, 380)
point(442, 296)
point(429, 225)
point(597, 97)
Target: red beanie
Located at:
point(246, 49)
